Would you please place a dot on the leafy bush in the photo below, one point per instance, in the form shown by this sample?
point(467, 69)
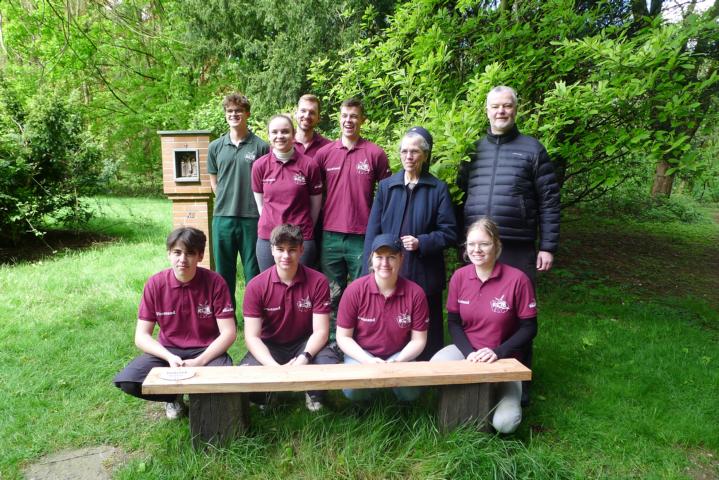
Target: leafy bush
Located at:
point(48, 159)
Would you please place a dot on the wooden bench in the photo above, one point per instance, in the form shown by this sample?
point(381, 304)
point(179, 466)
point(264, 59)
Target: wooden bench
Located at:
point(218, 395)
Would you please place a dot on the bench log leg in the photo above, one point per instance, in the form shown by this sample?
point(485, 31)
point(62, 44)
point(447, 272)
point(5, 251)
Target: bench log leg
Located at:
point(217, 418)
point(461, 404)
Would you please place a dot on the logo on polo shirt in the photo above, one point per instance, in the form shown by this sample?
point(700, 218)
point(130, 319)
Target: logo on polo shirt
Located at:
point(332, 169)
point(463, 302)
point(228, 309)
point(204, 310)
point(299, 179)
point(404, 320)
point(499, 305)
point(268, 180)
point(304, 304)
point(365, 319)
point(272, 309)
point(164, 314)
point(250, 157)
point(363, 167)
point(533, 304)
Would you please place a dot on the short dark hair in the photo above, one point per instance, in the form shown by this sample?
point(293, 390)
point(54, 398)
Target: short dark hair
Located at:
point(236, 98)
point(286, 234)
point(354, 102)
point(193, 239)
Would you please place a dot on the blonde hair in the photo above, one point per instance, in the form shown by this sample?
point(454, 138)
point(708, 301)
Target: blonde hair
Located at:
point(488, 226)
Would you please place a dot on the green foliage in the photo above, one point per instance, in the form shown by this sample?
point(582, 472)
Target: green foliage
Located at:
point(48, 159)
point(608, 102)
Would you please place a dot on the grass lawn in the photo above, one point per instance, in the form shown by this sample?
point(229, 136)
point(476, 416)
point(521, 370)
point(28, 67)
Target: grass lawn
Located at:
point(626, 369)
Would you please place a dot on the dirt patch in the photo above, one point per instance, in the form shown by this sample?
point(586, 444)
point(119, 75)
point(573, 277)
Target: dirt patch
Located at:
point(33, 248)
point(704, 465)
point(94, 463)
point(643, 263)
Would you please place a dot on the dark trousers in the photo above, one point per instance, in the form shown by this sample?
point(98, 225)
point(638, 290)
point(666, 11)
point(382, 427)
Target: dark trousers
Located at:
point(522, 255)
point(130, 379)
point(283, 353)
point(230, 236)
point(435, 329)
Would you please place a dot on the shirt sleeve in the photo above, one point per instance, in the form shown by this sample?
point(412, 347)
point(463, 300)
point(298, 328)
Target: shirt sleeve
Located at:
point(382, 168)
point(420, 311)
point(347, 310)
point(321, 300)
point(258, 171)
point(222, 302)
point(252, 302)
point(314, 179)
point(147, 304)
point(526, 303)
point(212, 160)
point(453, 294)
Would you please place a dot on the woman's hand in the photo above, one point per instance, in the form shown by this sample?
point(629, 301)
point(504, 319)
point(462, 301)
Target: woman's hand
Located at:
point(410, 243)
point(485, 355)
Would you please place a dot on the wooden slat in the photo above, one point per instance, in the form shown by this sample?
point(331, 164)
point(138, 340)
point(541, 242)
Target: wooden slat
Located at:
point(333, 377)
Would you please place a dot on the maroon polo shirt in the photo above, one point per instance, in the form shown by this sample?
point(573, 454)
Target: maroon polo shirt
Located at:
point(286, 311)
point(350, 177)
point(318, 141)
point(383, 326)
point(187, 313)
point(286, 189)
point(490, 311)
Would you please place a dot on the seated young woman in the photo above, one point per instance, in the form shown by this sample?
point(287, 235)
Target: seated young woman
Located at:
point(491, 314)
point(382, 317)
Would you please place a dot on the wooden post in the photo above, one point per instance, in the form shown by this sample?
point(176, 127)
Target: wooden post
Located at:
point(469, 403)
point(217, 418)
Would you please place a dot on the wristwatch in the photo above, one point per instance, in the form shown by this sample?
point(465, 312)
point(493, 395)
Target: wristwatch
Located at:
point(307, 355)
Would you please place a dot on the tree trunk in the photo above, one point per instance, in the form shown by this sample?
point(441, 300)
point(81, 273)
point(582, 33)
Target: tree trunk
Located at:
point(662, 182)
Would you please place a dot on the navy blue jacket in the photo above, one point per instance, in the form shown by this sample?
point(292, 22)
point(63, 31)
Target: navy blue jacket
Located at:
point(431, 220)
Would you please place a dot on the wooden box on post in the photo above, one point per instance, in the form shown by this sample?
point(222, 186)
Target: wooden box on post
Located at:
point(186, 182)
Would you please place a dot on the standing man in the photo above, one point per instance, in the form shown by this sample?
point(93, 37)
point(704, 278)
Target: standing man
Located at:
point(307, 141)
point(193, 309)
point(286, 310)
point(511, 180)
point(234, 221)
point(352, 167)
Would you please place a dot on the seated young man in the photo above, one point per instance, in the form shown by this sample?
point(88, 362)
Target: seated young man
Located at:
point(286, 310)
point(193, 307)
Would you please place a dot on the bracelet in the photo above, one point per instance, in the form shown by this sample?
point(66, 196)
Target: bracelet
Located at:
point(307, 355)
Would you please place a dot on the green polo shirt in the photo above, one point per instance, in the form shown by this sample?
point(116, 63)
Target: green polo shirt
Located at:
point(233, 167)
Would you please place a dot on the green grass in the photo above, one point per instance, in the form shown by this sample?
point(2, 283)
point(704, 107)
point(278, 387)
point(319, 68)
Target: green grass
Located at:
point(626, 377)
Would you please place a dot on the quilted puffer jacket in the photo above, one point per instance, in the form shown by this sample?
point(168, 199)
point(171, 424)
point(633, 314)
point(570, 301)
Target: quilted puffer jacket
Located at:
point(510, 179)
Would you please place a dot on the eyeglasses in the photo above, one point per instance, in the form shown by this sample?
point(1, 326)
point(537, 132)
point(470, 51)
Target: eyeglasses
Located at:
point(481, 245)
point(234, 112)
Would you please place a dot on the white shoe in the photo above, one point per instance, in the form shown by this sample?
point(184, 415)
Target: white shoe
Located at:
point(312, 404)
point(176, 409)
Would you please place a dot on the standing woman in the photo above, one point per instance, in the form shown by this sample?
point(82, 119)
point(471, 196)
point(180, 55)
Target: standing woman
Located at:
point(414, 205)
point(492, 313)
point(382, 317)
point(288, 189)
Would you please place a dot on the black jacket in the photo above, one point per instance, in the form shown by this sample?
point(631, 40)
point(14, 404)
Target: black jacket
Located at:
point(510, 179)
point(431, 220)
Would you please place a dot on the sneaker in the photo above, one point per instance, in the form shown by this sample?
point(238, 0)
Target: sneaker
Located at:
point(176, 409)
point(312, 403)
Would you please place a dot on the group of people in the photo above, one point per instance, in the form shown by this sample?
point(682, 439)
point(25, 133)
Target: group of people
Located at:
point(304, 202)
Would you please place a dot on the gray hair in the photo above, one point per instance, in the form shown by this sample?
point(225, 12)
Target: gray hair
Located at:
point(423, 145)
point(502, 89)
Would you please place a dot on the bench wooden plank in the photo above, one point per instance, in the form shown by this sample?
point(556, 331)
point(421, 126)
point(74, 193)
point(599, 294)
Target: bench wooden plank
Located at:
point(333, 377)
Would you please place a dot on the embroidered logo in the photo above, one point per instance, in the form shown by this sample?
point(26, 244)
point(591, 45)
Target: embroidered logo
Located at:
point(363, 167)
point(165, 314)
point(272, 309)
point(463, 302)
point(204, 310)
point(404, 320)
point(499, 305)
point(533, 304)
point(250, 157)
point(268, 180)
point(333, 169)
point(365, 319)
point(228, 309)
point(304, 304)
point(299, 179)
